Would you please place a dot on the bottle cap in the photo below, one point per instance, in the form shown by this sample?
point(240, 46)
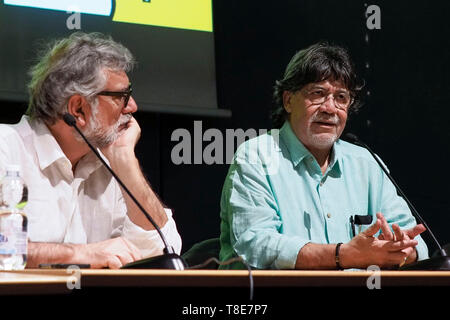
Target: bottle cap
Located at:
point(12, 167)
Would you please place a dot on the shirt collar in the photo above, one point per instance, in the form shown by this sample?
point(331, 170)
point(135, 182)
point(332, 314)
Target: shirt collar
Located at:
point(298, 151)
point(335, 162)
point(48, 151)
point(47, 148)
point(295, 147)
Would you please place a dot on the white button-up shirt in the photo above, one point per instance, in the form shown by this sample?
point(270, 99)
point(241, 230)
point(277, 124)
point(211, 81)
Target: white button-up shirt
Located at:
point(80, 207)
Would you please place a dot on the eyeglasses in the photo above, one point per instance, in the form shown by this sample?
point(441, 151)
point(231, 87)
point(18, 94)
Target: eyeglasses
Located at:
point(125, 95)
point(318, 96)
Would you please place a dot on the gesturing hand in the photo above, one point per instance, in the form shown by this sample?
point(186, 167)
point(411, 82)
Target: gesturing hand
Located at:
point(365, 249)
point(400, 235)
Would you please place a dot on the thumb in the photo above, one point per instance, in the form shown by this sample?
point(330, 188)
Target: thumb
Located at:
point(373, 229)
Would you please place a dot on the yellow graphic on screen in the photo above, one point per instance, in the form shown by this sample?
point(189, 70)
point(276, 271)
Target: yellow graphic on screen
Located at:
point(183, 14)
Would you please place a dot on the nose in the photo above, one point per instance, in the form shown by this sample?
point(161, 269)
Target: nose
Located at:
point(131, 106)
point(329, 105)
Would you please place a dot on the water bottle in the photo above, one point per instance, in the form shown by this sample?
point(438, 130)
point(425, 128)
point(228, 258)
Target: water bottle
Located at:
point(13, 220)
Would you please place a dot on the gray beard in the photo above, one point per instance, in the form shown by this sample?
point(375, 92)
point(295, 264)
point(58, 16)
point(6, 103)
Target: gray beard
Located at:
point(102, 137)
point(323, 141)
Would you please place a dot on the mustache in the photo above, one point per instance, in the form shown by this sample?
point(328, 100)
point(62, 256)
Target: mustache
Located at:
point(321, 117)
point(124, 119)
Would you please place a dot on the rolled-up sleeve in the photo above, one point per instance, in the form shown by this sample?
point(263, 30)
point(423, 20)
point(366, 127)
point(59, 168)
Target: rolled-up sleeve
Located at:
point(149, 241)
point(251, 213)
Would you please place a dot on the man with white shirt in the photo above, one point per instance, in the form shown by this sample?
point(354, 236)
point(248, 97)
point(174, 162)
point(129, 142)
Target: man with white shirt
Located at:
point(77, 212)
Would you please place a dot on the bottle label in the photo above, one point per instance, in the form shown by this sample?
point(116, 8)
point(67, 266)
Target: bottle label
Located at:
point(6, 244)
point(13, 240)
point(21, 243)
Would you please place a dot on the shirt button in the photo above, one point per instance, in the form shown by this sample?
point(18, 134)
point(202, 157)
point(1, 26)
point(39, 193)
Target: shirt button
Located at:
point(329, 215)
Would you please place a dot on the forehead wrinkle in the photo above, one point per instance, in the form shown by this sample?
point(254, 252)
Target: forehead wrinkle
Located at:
point(335, 84)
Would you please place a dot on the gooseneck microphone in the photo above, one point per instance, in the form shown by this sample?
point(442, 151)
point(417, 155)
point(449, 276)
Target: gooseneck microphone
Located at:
point(169, 260)
point(440, 262)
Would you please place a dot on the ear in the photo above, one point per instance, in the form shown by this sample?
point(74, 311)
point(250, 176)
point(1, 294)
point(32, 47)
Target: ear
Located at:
point(287, 95)
point(78, 107)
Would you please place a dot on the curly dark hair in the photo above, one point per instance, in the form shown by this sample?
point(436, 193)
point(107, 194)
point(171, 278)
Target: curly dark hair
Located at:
point(316, 63)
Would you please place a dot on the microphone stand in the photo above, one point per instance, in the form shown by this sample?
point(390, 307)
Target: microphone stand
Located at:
point(439, 262)
point(169, 260)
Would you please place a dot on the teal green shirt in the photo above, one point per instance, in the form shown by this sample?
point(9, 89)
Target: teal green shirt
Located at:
point(275, 199)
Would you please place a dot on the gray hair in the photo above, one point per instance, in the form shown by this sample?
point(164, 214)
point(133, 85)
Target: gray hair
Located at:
point(318, 62)
point(73, 65)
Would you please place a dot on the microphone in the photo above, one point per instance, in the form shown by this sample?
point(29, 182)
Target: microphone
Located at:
point(169, 260)
point(441, 261)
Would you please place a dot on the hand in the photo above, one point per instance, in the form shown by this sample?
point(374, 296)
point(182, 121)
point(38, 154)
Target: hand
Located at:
point(365, 249)
point(111, 253)
point(400, 235)
point(129, 135)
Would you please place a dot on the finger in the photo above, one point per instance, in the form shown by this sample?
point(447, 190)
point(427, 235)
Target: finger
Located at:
point(134, 251)
point(415, 231)
point(373, 229)
point(397, 258)
point(125, 258)
point(136, 254)
point(401, 245)
point(385, 229)
point(113, 262)
point(408, 251)
point(99, 265)
point(399, 235)
point(123, 253)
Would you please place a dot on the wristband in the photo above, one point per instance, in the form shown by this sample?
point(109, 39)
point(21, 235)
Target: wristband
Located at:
point(336, 256)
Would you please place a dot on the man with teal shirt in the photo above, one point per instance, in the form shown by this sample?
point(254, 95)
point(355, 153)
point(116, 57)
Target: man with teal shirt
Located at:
point(289, 194)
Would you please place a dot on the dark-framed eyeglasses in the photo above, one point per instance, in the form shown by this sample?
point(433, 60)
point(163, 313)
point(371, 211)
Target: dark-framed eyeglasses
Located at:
point(125, 95)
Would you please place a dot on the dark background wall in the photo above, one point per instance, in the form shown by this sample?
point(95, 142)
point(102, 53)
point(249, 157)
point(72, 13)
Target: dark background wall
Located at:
point(405, 118)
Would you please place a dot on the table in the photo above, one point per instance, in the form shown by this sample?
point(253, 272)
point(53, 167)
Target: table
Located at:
point(177, 291)
point(56, 279)
point(261, 278)
point(29, 282)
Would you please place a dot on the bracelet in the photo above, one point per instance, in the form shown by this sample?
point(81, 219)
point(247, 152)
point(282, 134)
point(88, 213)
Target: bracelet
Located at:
point(336, 256)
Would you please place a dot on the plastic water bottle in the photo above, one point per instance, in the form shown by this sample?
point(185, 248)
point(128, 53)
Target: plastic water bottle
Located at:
point(13, 221)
